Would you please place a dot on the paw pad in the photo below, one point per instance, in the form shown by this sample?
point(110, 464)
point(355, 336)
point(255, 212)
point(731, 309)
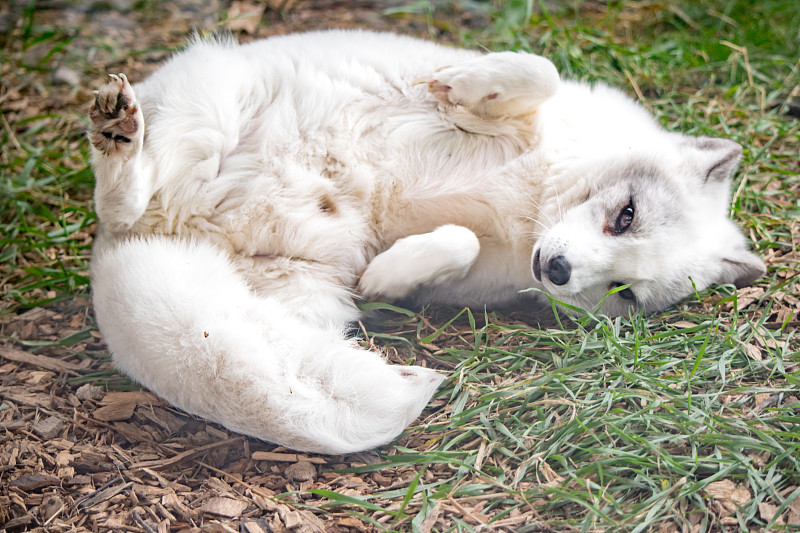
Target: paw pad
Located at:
point(115, 115)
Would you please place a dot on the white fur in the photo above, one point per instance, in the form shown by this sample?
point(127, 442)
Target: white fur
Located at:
point(283, 177)
point(445, 254)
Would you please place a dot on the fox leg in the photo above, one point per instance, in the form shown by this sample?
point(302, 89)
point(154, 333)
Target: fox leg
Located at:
point(498, 85)
point(117, 133)
point(444, 254)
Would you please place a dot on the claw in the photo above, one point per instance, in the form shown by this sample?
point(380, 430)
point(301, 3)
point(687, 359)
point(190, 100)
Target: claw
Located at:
point(114, 77)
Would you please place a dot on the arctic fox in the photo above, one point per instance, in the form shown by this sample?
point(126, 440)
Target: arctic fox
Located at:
point(250, 196)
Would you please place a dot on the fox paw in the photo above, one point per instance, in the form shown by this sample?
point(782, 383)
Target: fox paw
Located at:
point(117, 121)
point(443, 255)
point(450, 91)
point(495, 85)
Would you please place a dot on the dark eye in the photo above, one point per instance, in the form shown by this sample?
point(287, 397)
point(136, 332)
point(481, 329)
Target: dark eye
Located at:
point(625, 294)
point(624, 219)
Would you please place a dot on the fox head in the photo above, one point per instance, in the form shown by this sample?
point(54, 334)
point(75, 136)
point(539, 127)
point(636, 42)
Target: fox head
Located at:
point(654, 221)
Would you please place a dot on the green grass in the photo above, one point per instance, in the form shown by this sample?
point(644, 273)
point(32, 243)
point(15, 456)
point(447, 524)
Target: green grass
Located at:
point(615, 424)
point(621, 425)
point(595, 424)
point(45, 184)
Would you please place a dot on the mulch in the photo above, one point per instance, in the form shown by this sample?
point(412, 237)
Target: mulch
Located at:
point(83, 449)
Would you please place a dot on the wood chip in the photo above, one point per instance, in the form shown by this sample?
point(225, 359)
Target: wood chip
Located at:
point(286, 457)
point(747, 295)
point(103, 495)
point(51, 507)
point(42, 361)
point(31, 482)
point(18, 522)
point(184, 455)
point(255, 526)
point(26, 398)
point(430, 520)
point(49, 428)
point(227, 507)
point(301, 471)
point(171, 501)
point(90, 392)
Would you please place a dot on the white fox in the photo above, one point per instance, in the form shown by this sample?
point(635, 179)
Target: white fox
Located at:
point(250, 195)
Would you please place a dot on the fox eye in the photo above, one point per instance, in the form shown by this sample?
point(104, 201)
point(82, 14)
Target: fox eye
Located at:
point(624, 219)
point(625, 294)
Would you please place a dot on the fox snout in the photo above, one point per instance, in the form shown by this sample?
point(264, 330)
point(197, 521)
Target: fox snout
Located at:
point(557, 269)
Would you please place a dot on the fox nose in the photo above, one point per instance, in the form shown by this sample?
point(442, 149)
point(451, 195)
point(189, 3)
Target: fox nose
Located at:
point(558, 270)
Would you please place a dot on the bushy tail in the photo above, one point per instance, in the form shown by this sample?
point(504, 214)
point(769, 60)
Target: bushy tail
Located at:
point(179, 320)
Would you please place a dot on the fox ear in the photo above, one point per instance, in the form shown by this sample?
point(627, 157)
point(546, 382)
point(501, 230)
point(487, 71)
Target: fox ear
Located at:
point(716, 159)
point(741, 268)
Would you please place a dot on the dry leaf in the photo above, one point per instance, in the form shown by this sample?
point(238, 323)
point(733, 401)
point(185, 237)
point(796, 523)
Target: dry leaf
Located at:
point(280, 5)
point(747, 295)
point(549, 474)
point(245, 16)
point(794, 511)
point(121, 405)
point(760, 399)
point(728, 495)
point(754, 352)
point(767, 512)
point(432, 517)
point(668, 526)
point(120, 410)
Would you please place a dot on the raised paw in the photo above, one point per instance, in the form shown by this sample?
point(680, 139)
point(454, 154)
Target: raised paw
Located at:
point(503, 84)
point(117, 122)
